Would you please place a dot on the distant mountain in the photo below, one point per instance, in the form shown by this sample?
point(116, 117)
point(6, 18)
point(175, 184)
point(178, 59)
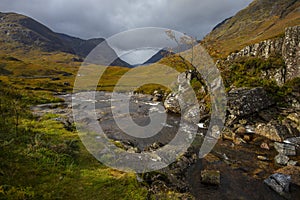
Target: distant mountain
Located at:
point(262, 19)
point(21, 32)
point(157, 57)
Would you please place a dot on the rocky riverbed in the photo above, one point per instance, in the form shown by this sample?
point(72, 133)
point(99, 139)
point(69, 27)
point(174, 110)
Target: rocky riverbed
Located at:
point(260, 140)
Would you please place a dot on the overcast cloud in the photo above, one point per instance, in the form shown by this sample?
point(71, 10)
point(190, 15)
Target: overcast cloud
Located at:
point(104, 18)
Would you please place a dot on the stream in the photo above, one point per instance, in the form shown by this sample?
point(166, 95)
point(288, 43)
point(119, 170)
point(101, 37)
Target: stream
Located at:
point(242, 174)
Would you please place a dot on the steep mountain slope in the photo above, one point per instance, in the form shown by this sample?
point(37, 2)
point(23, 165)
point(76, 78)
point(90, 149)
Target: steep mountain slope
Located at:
point(262, 19)
point(21, 33)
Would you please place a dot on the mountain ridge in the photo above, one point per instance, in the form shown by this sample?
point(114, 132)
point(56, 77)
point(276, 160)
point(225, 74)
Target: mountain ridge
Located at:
point(261, 20)
point(24, 33)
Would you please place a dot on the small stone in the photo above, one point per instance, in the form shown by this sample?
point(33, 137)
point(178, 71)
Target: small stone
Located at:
point(228, 135)
point(285, 149)
point(211, 177)
point(281, 159)
point(265, 146)
point(241, 131)
point(239, 141)
point(279, 183)
point(247, 138)
point(243, 121)
point(262, 158)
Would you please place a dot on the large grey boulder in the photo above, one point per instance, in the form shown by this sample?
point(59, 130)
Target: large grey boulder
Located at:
point(279, 183)
point(245, 101)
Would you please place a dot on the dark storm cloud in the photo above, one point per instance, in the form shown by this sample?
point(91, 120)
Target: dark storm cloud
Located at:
point(103, 18)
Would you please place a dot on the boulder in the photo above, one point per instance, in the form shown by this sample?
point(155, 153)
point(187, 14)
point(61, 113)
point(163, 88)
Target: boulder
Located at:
point(279, 183)
point(293, 171)
point(244, 101)
point(285, 149)
point(211, 177)
point(273, 131)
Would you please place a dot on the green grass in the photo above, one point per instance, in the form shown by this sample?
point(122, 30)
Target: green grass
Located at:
point(42, 160)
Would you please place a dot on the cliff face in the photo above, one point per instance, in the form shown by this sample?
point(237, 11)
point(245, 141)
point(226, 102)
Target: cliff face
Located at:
point(291, 52)
point(287, 47)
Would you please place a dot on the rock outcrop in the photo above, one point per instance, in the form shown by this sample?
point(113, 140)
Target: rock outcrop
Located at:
point(244, 101)
point(287, 47)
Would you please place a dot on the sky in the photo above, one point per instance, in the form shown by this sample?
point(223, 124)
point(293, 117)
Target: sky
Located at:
point(104, 18)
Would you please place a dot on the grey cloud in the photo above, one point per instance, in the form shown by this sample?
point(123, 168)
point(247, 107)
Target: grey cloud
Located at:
point(103, 18)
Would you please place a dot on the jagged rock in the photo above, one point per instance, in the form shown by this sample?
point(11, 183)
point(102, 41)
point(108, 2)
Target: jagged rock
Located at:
point(281, 159)
point(272, 131)
point(291, 52)
point(285, 149)
point(243, 101)
point(279, 183)
point(293, 171)
point(172, 104)
point(295, 118)
point(211, 177)
point(265, 146)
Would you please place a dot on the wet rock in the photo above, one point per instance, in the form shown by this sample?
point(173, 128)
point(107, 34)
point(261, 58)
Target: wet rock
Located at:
point(293, 171)
point(243, 101)
point(285, 149)
point(250, 129)
point(281, 159)
point(279, 183)
point(272, 131)
point(295, 141)
point(211, 177)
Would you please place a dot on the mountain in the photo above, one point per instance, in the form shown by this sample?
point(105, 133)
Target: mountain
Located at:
point(261, 20)
point(19, 32)
point(157, 57)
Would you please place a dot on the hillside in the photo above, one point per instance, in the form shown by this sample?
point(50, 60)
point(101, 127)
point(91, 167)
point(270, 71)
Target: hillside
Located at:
point(262, 19)
point(23, 34)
